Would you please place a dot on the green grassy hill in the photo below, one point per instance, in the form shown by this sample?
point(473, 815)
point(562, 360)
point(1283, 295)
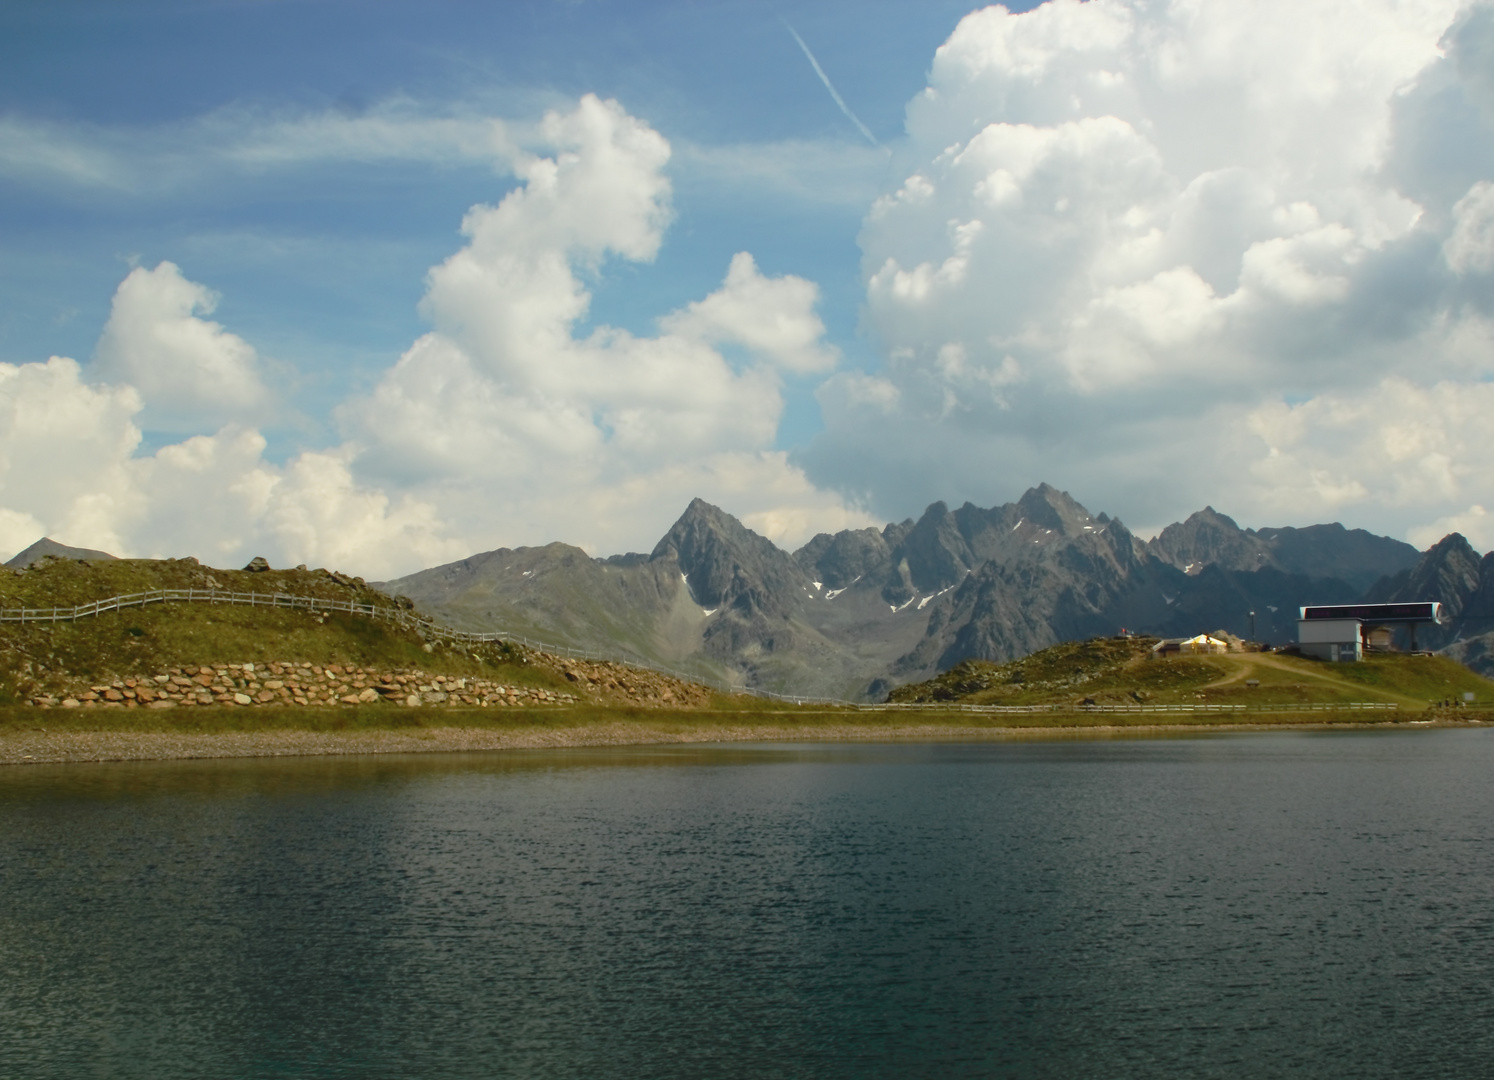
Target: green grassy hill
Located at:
point(52, 661)
point(1114, 671)
point(41, 659)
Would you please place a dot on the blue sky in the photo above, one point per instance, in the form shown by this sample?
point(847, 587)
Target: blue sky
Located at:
point(322, 267)
point(1235, 252)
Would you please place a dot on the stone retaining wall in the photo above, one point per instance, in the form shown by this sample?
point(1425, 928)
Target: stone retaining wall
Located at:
point(296, 684)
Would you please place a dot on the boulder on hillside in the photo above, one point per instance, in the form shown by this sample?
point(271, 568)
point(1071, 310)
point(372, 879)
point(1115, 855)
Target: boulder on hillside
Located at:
point(258, 565)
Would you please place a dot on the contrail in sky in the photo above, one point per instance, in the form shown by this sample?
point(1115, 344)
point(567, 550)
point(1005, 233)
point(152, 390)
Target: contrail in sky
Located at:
point(830, 87)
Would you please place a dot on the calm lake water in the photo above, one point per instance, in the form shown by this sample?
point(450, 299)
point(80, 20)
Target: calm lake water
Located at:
point(1292, 904)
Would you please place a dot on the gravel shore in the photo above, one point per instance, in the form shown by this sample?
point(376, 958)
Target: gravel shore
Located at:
point(42, 747)
point(39, 747)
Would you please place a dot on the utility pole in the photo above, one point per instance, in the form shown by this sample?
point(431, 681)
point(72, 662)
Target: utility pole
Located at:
point(1252, 626)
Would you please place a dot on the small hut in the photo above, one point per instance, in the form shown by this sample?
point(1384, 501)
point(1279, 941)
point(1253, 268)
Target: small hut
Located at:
point(1202, 645)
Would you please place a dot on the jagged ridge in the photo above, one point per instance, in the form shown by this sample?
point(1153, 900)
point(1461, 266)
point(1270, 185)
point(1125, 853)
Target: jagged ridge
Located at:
point(852, 613)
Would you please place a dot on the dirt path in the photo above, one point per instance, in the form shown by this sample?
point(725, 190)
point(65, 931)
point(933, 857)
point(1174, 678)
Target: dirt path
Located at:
point(1249, 662)
point(1246, 668)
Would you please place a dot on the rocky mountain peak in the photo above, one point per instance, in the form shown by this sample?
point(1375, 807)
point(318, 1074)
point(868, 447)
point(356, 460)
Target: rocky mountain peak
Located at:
point(1209, 537)
point(702, 525)
point(1452, 572)
point(1449, 572)
point(836, 561)
point(935, 553)
point(1453, 546)
point(46, 546)
point(722, 559)
point(1049, 508)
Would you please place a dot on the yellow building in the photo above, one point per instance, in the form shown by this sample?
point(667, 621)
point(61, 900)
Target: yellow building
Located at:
point(1201, 645)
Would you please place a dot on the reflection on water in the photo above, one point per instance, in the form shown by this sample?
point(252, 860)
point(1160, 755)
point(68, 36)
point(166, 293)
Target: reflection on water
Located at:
point(1285, 904)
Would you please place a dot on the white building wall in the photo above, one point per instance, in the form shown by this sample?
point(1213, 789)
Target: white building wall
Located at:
point(1330, 639)
point(1326, 630)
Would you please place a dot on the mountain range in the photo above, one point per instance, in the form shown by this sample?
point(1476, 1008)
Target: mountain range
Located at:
point(854, 613)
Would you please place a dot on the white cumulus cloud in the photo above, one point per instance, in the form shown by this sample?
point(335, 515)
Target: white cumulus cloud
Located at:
point(507, 423)
point(64, 453)
point(70, 469)
point(531, 427)
point(191, 372)
point(773, 318)
point(1185, 251)
point(1475, 523)
point(1470, 248)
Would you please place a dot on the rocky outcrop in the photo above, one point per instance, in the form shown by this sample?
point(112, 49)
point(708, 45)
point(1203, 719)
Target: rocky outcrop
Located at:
point(620, 683)
point(1475, 652)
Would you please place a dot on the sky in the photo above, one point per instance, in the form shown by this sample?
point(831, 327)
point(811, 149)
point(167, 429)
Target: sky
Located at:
point(380, 285)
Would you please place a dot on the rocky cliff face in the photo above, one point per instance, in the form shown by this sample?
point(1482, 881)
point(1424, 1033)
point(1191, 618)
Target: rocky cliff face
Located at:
point(727, 565)
point(930, 555)
point(751, 593)
point(1044, 571)
point(841, 560)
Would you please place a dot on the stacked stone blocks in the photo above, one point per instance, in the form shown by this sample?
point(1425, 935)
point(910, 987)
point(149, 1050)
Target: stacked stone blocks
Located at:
point(289, 683)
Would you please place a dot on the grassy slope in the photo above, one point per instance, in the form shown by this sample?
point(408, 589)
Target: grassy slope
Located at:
point(1117, 671)
point(714, 724)
point(143, 641)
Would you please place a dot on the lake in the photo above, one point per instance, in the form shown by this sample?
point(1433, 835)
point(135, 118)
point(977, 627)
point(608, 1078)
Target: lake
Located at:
point(1304, 904)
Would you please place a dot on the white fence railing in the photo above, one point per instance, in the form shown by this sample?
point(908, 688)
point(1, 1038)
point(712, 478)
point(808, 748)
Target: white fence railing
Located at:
point(406, 617)
point(155, 596)
point(1117, 708)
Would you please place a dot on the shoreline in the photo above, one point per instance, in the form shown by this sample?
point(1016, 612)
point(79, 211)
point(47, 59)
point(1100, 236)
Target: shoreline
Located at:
point(37, 747)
